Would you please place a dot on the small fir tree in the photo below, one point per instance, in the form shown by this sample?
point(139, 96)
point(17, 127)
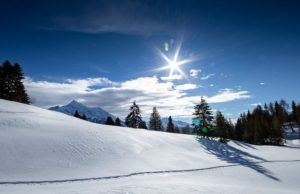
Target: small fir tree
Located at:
point(155, 121)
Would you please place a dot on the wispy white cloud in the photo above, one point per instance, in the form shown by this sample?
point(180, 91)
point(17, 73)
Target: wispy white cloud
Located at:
point(256, 104)
point(207, 76)
point(172, 77)
point(227, 94)
point(186, 87)
point(194, 72)
point(261, 83)
point(116, 97)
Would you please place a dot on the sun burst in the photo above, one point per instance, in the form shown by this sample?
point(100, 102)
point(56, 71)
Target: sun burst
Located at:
point(173, 64)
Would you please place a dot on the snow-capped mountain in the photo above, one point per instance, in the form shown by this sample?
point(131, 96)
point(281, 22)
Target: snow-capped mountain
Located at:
point(93, 114)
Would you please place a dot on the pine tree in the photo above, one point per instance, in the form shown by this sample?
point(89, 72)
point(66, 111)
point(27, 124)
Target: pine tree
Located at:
point(118, 122)
point(11, 85)
point(134, 118)
point(77, 115)
point(240, 127)
point(109, 121)
point(170, 126)
point(295, 114)
point(176, 129)
point(83, 117)
point(155, 121)
point(204, 114)
point(223, 127)
point(142, 125)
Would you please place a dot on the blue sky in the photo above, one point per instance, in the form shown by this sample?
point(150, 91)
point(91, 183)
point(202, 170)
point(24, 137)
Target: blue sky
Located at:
point(103, 53)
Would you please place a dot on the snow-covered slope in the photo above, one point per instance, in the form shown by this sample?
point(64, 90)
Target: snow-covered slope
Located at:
point(94, 114)
point(64, 154)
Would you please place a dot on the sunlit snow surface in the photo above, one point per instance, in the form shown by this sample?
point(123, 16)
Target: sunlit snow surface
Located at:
point(48, 152)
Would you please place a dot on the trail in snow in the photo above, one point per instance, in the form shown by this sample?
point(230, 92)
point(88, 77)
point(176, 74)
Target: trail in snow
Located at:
point(136, 174)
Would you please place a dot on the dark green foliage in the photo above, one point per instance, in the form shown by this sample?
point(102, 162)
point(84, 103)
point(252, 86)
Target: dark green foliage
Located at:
point(176, 130)
point(11, 85)
point(204, 114)
point(240, 127)
point(295, 115)
point(134, 118)
point(142, 125)
point(109, 121)
point(264, 126)
point(83, 117)
point(223, 128)
point(77, 115)
point(170, 126)
point(155, 121)
point(118, 122)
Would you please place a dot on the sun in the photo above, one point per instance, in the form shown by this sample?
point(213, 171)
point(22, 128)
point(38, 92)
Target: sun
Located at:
point(173, 64)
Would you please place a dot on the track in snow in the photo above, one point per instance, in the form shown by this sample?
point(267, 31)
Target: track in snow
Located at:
point(133, 174)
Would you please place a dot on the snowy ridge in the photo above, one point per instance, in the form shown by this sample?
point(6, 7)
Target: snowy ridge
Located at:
point(93, 114)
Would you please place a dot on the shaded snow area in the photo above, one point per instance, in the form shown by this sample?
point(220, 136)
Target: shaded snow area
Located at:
point(44, 151)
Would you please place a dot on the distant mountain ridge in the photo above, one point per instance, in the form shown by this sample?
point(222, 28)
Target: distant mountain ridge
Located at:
point(179, 124)
point(93, 114)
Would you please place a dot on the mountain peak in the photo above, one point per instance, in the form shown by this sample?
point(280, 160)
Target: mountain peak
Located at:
point(94, 114)
point(74, 102)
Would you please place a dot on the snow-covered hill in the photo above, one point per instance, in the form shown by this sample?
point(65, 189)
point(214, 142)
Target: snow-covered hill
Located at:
point(44, 151)
point(93, 114)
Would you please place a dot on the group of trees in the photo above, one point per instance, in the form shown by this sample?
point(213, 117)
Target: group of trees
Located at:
point(134, 120)
point(264, 125)
point(110, 121)
point(11, 85)
point(261, 126)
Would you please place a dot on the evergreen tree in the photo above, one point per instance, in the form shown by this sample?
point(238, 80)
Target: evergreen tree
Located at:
point(155, 121)
point(223, 128)
point(77, 115)
point(262, 126)
point(134, 118)
point(204, 114)
point(109, 121)
point(83, 117)
point(118, 122)
point(176, 129)
point(11, 85)
point(240, 127)
point(142, 125)
point(295, 114)
point(170, 126)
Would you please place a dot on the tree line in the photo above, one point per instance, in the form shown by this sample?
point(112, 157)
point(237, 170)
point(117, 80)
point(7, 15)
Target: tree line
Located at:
point(260, 126)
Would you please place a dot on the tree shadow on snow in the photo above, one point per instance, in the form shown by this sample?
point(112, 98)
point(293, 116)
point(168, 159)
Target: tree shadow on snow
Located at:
point(244, 145)
point(233, 155)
